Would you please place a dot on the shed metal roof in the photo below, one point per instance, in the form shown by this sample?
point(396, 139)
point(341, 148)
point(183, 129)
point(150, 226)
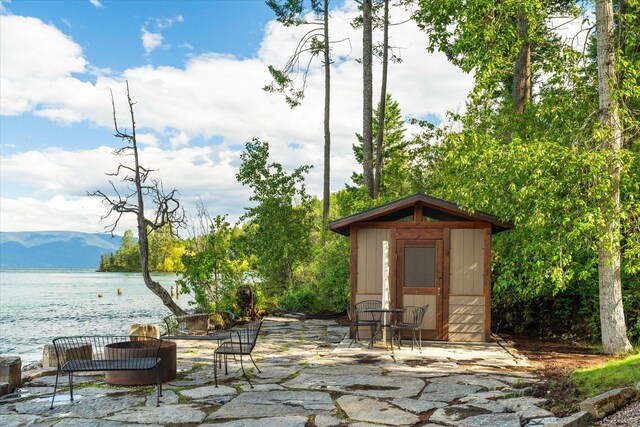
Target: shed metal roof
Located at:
point(437, 209)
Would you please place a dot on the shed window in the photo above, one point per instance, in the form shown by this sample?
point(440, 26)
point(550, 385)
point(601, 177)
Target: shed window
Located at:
point(420, 267)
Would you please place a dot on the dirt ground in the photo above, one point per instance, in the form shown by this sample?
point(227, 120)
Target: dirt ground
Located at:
point(556, 358)
point(555, 361)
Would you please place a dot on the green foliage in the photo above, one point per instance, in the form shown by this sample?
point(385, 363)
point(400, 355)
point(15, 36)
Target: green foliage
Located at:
point(395, 156)
point(281, 221)
point(165, 252)
point(126, 258)
point(545, 170)
point(212, 270)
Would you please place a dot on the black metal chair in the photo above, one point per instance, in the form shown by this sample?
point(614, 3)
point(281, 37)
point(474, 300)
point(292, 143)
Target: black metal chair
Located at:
point(242, 342)
point(410, 319)
point(359, 317)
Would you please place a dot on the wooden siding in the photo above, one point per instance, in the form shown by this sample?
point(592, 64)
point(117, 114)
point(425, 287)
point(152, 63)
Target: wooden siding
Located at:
point(467, 261)
point(466, 318)
point(369, 260)
point(420, 300)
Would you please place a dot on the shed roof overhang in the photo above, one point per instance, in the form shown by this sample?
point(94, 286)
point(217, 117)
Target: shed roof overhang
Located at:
point(437, 209)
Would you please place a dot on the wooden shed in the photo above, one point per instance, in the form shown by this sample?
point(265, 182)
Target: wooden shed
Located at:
point(427, 251)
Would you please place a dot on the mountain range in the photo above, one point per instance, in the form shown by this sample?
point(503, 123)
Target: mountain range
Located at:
point(55, 249)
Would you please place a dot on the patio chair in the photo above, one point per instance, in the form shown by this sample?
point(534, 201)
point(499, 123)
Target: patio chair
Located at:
point(410, 319)
point(359, 317)
point(242, 342)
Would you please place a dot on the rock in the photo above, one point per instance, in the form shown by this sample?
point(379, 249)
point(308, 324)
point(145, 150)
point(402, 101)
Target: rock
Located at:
point(452, 415)
point(169, 397)
point(37, 373)
point(417, 406)
point(370, 410)
point(49, 359)
point(492, 420)
point(4, 389)
point(604, 404)
point(579, 419)
point(144, 330)
point(208, 391)
point(448, 392)
point(326, 420)
point(274, 404)
point(11, 372)
point(169, 414)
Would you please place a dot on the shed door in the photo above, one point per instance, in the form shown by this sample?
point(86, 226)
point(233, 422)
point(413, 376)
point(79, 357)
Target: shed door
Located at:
point(419, 266)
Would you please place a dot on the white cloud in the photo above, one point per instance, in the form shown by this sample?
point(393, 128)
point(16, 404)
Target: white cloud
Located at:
point(150, 41)
point(96, 3)
point(212, 95)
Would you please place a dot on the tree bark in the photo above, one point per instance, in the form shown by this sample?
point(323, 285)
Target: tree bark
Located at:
point(612, 321)
point(327, 135)
point(143, 240)
point(367, 97)
point(383, 100)
point(521, 94)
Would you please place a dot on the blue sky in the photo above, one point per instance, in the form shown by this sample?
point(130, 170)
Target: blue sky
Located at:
point(195, 69)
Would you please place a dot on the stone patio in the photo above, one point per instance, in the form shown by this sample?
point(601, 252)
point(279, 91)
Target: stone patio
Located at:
point(310, 376)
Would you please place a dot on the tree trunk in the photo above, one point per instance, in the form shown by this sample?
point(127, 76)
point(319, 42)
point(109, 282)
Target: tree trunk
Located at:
point(327, 135)
point(367, 97)
point(612, 322)
point(143, 240)
point(383, 101)
point(521, 94)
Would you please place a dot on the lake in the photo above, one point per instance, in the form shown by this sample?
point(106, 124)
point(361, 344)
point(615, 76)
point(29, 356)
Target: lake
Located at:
point(39, 305)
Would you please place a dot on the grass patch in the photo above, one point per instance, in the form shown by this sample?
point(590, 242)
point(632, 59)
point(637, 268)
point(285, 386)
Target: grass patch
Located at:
point(613, 374)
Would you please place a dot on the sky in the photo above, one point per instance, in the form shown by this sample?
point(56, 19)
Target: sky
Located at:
point(196, 70)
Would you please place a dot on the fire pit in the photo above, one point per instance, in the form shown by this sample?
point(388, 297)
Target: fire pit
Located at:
point(126, 349)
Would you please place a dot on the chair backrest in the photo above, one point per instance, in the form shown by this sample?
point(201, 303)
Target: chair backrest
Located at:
point(249, 335)
point(188, 324)
point(413, 315)
point(108, 347)
point(360, 308)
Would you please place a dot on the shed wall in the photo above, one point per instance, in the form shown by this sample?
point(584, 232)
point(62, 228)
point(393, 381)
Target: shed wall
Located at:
point(467, 309)
point(370, 260)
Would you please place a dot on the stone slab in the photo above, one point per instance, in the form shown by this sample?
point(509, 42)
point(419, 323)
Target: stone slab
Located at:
point(86, 404)
point(363, 385)
point(604, 404)
point(208, 391)
point(454, 414)
point(81, 422)
point(492, 420)
point(448, 392)
point(167, 414)
point(369, 410)
point(417, 406)
point(326, 420)
point(287, 421)
point(275, 403)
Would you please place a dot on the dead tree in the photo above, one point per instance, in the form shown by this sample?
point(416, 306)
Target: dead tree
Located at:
point(167, 209)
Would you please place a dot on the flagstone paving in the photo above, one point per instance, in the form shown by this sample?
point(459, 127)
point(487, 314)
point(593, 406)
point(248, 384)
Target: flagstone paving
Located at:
point(310, 376)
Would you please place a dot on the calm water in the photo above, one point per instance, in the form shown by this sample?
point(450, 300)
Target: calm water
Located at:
point(39, 305)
